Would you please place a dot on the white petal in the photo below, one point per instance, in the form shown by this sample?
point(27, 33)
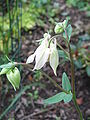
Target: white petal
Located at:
point(43, 46)
point(38, 51)
point(53, 45)
point(41, 50)
point(42, 58)
point(30, 58)
point(54, 60)
point(47, 36)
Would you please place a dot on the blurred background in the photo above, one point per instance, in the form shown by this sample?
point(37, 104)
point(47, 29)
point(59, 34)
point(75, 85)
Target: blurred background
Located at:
point(21, 23)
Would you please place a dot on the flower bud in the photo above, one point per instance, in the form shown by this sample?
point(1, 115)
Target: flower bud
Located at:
point(14, 77)
point(59, 28)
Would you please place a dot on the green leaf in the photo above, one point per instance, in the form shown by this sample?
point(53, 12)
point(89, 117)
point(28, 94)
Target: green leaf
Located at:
point(69, 32)
point(14, 77)
point(65, 22)
point(88, 70)
point(9, 65)
point(78, 64)
point(73, 47)
point(4, 71)
point(84, 37)
point(55, 99)
point(58, 98)
point(67, 97)
point(65, 82)
point(62, 54)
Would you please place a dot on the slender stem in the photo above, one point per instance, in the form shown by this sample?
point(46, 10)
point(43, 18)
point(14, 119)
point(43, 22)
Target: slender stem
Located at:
point(72, 70)
point(25, 65)
point(73, 79)
point(73, 84)
point(54, 37)
point(59, 44)
point(63, 49)
point(10, 23)
point(77, 107)
point(53, 81)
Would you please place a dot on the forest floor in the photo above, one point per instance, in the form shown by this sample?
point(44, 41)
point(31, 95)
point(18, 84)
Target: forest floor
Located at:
point(31, 107)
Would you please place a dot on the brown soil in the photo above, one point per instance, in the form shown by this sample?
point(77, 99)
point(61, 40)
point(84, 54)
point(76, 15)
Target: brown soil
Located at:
point(26, 108)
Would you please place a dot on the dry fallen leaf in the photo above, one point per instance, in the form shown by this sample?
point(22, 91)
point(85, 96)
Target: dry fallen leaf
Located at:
point(30, 78)
point(79, 101)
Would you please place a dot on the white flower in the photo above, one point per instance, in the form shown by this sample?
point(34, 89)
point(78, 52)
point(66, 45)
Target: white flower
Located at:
point(54, 58)
point(43, 53)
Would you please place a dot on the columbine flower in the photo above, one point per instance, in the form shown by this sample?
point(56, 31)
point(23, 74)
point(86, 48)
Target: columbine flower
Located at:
point(44, 53)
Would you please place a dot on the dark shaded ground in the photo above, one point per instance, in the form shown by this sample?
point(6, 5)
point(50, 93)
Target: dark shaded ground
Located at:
point(29, 109)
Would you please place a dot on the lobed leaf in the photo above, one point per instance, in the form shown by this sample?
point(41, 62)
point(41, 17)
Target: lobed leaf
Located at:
point(58, 98)
point(67, 98)
point(55, 99)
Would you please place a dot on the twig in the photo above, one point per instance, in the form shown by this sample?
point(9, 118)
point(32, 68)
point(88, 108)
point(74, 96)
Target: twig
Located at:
point(38, 113)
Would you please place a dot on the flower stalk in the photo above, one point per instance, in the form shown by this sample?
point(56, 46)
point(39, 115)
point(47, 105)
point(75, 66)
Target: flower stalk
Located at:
point(73, 80)
point(73, 84)
point(47, 76)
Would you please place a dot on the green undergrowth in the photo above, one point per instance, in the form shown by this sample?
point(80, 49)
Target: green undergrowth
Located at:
point(80, 4)
point(81, 53)
point(32, 13)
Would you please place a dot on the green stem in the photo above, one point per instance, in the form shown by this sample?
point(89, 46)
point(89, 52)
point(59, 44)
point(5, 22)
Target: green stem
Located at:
point(10, 22)
point(58, 44)
point(73, 84)
point(77, 107)
point(73, 79)
point(63, 49)
point(72, 70)
point(53, 81)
